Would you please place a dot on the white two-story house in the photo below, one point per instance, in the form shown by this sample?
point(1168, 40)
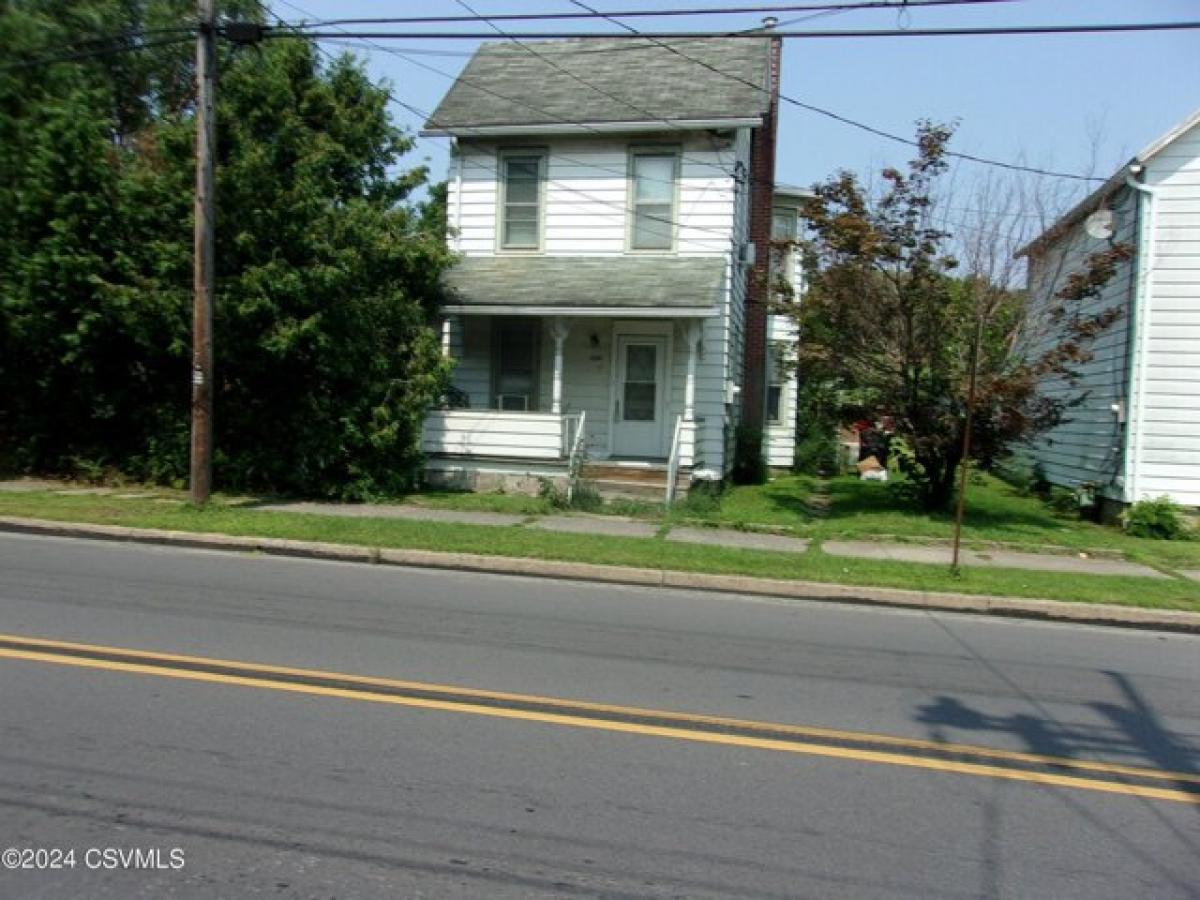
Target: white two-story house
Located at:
point(611, 205)
point(1133, 429)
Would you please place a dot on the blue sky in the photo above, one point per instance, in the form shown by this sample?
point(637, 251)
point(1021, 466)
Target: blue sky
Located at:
point(1069, 102)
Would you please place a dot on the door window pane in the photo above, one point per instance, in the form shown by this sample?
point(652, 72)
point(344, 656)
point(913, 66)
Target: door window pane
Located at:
point(640, 362)
point(639, 401)
point(641, 389)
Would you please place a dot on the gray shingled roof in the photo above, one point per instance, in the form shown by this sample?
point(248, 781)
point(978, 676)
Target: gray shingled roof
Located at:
point(586, 282)
point(616, 80)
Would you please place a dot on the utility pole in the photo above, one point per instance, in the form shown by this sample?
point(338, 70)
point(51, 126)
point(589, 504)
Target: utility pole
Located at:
point(204, 259)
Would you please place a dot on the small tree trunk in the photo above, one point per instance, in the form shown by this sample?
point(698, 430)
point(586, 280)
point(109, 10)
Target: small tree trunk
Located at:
point(938, 494)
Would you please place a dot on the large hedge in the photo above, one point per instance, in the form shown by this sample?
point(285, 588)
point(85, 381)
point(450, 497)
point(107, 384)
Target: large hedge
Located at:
point(326, 271)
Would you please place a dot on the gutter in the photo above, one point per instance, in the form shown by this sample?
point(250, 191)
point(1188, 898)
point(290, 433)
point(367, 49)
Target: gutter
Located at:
point(518, 129)
point(1140, 339)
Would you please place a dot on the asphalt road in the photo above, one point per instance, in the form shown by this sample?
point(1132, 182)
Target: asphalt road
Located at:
point(320, 787)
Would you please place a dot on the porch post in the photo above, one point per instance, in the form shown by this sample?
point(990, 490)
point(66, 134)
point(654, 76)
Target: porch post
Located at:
point(692, 336)
point(558, 330)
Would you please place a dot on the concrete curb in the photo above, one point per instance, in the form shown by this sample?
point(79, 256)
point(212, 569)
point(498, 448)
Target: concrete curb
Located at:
point(1016, 607)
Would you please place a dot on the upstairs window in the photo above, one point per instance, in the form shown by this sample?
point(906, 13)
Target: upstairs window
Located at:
point(653, 199)
point(521, 200)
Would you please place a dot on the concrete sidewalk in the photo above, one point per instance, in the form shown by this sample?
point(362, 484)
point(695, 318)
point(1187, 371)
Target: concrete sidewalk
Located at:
point(622, 526)
point(998, 559)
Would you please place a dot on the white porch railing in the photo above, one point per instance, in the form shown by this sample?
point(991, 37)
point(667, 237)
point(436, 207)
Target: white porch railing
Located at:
point(487, 432)
point(673, 460)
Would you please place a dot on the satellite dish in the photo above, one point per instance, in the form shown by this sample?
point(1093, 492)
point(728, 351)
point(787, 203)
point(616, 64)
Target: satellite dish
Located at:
point(1100, 224)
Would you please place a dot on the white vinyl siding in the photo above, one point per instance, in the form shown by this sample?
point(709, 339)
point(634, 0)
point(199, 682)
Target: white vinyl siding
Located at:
point(586, 196)
point(1088, 447)
point(586, 212)
point(1168, 450)
point(779, 436)
point(1162, 437)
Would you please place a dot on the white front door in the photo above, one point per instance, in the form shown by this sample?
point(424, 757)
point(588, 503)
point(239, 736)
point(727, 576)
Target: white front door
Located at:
point(640, 402)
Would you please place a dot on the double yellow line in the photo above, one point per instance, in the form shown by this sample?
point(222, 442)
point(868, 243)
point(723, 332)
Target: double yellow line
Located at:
point(963, 759)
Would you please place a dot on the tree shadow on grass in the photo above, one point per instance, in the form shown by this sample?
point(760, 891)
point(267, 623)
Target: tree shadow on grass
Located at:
point(991, 508)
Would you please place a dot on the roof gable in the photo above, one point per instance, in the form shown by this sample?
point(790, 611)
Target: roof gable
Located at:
point(1101, 195)
point(610, 81)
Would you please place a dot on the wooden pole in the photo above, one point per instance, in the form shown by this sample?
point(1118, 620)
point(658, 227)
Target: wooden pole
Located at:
point(204, 259)
point(966, 447)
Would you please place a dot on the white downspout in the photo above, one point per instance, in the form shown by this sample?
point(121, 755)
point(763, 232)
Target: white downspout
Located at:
point(1142, 298)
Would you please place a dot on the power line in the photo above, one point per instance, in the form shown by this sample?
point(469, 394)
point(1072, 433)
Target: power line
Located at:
point(871, 129)
point(624, 209)
point(793, 101)
point(969, 31)
point(480, 86)
point(124, 47)
point(654, 13)
point(578, 78)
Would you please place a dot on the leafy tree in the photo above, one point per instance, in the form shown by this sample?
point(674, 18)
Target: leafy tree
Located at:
point(885, 322)
point(326, 271)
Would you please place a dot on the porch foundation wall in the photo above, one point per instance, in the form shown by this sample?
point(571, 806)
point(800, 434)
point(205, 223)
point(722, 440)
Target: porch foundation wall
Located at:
point(487, 479)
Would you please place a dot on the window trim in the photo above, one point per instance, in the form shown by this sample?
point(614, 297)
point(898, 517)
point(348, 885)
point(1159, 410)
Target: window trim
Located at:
point(535, 325)
point(788, 259)
point(676, 152)
point(503, 154)
point(775, 379)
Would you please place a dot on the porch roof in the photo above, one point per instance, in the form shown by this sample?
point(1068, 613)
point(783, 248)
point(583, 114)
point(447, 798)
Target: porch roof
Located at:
point(586, 285)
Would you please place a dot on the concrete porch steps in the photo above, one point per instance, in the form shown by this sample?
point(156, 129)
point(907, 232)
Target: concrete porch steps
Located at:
point(634, 481)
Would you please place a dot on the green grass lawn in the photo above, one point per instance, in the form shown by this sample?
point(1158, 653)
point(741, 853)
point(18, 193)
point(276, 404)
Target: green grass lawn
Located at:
point(229, 518)
point(868, 510)
point(995, 512)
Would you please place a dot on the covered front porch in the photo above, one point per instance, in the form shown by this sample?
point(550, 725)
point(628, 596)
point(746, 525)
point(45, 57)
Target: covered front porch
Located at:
point(538, 396)
point(558, 360)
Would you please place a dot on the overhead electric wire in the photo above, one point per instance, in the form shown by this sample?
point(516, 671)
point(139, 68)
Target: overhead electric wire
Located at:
point(125, 46)
point(656, 13)
point(480, 86)
point(581, 80)
point(967, 31)
point(624, 209)
point(871, 129)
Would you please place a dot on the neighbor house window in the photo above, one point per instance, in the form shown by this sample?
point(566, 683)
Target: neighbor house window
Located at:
point(775, 385)
point(783, 254)
point(521, 202)
point(514, 358)
point(653, 200)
